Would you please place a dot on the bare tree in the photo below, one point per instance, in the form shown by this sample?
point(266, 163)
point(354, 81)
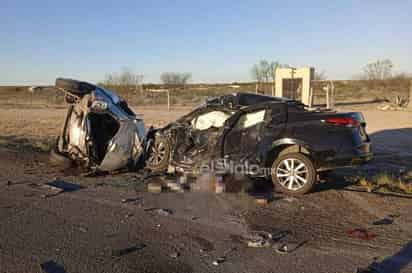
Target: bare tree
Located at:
point(125, 78)
point(379, 70)
point(264, 72)
point(256, 73)
point(175, 79)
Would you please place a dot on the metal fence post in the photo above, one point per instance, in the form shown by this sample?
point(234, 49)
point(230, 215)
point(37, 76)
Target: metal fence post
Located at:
point(410, 96)
point(311, 97)
point(328, 97)
point(168, 100)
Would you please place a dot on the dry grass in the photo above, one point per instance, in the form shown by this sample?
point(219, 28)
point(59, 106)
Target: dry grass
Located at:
point(386, 182)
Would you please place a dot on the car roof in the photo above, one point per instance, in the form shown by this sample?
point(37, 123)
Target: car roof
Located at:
point(242, 99)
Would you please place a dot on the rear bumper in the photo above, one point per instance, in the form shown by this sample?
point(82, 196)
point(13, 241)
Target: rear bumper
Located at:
point(355, 157)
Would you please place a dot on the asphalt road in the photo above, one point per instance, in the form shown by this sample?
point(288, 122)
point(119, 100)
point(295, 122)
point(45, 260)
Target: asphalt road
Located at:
point(111, 224)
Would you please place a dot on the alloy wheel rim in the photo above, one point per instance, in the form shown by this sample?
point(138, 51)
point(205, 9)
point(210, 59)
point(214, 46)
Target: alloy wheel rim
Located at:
point(158, 153)
point(292, 174)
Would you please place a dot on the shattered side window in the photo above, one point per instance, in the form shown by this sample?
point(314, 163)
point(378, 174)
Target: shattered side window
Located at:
point(211, 119)
point(250, 119)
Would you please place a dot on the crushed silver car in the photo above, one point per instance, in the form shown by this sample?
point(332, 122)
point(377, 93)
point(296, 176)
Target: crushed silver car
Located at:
point(100, 132)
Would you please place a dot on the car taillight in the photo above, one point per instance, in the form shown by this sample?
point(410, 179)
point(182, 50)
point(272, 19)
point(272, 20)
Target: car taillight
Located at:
point(349, 122)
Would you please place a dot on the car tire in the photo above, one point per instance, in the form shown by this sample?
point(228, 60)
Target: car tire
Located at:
point(75, 87)
point(158, 155)
point(293, 174)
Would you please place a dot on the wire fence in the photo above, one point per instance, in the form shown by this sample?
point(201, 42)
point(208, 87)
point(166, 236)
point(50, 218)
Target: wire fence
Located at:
point(344, 92)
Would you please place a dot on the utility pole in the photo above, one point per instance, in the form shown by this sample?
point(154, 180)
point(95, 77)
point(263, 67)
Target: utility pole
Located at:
point(332, 95)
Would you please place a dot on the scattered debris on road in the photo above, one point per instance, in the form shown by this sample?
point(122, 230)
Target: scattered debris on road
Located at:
point(361, 233)
point(283, 249)
point(384, 221)
point(83, 229)
point(394, 216)
point(262, 201)
point(164, 212)
point(286, 248)
point(174, 186)
point(52, 267)
point(290, 199)
point(259, 239)
point(219, 260)
point(63, 185)
point(55, 187)
point(223, 258)
point(258, 243)
point(174, 255)
point(369, 269)
point(128, 215)
point(125, 251)
point(129, 200)
point(154, 187)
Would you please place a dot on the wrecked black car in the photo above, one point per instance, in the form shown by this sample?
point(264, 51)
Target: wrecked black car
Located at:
point(100, 131)
point(261, 136)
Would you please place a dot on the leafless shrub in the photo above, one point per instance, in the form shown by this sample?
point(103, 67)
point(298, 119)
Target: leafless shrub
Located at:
point(379, 70)
point(175, 79)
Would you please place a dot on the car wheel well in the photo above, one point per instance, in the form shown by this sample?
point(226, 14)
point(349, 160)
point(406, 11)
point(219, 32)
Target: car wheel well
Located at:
point(285, 149)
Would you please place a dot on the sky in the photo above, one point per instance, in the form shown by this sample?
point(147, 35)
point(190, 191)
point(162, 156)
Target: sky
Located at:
point(217, 41)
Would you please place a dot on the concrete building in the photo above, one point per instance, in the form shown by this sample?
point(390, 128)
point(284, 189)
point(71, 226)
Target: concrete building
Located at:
point(294, 83)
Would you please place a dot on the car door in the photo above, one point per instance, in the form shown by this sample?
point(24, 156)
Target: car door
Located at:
point(204, 132)
point(245, 134)
point(253, 131)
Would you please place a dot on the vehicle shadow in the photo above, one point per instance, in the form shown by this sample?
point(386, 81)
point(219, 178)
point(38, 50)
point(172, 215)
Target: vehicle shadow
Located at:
point(394, 141)
point(392, 264)
point(333, 181)
point(391, 155)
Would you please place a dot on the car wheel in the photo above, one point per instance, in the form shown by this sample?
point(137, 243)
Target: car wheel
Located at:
point(158, 156)
point(293, 174)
